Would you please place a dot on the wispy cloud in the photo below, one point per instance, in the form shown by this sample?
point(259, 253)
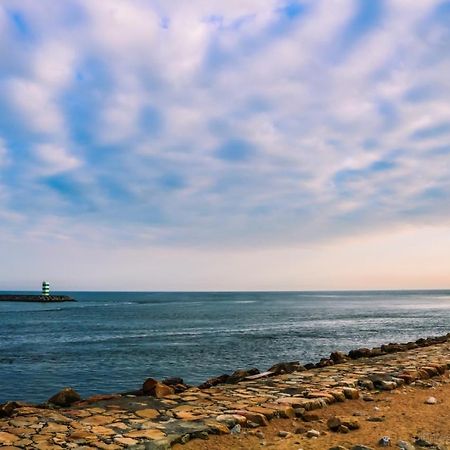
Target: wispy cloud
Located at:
point(231, 123)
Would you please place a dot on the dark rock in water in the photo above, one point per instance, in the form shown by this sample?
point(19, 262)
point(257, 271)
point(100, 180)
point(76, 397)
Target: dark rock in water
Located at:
point(239, 375)
point(6, 409)
point(309, 366)
point(338, 357)
point(180, 388)
point(392, 348)
point(221, 379)
point(65, 397)
point(377, 351)
point(172, 381)
point(359, 353)
point(324, 362)
point(286, 367)
point(149, 386)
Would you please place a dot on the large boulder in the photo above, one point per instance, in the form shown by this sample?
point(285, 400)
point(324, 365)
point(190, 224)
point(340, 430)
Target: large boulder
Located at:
point(338, 357)
point(359, 353)
point(65, 397)
point(156, 389)
point(6, 409)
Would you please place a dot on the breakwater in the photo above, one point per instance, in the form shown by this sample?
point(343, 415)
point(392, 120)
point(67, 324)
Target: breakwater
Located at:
point(35, 298)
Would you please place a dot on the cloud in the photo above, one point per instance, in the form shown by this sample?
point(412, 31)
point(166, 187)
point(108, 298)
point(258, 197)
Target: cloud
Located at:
point(224, 123)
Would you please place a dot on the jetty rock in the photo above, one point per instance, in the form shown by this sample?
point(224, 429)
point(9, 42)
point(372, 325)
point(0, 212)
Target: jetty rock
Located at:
point(35, 298)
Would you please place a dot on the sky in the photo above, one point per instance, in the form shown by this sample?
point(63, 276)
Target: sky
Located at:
point(224, 145)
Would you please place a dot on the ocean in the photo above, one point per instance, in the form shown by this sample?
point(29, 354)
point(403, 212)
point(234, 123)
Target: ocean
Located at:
point(112, 341)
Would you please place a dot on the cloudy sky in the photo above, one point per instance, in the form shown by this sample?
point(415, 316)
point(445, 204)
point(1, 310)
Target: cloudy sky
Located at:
point(238, 144)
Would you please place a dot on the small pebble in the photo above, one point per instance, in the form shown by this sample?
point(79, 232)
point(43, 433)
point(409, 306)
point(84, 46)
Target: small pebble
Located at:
point(236, 429)
point(375, 419)
point(431, 401)
point(422, 443)
point(284, 434)
point(385, 441)
point(403, 445)
point(312, 433)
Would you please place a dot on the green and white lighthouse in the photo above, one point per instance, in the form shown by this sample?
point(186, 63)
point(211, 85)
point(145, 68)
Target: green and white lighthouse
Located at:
point(45, 288)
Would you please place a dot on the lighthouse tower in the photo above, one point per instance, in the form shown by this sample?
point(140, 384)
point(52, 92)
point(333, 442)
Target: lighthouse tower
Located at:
point(45, 288)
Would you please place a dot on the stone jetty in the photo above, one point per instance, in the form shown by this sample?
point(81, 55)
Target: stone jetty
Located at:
point(35, 298)
point(161, 414)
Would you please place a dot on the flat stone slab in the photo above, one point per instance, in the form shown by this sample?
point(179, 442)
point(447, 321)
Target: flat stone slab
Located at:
point(123, 421)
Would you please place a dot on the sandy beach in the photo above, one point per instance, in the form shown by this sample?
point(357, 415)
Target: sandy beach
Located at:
point(402, 415)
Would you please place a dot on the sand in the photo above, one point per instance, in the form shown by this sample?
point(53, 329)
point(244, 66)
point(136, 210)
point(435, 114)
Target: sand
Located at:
point(404, 413)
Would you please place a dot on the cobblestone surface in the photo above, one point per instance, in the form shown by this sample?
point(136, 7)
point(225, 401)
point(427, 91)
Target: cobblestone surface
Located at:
point(144, 422)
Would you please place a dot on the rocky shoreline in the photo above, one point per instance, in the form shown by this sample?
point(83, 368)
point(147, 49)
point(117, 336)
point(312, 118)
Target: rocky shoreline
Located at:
point(163, 413)
point(35, 298)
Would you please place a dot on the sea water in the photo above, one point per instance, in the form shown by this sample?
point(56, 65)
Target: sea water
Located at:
point(112, 341)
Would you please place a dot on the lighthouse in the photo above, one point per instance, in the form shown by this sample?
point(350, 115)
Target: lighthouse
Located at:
point(45, 288)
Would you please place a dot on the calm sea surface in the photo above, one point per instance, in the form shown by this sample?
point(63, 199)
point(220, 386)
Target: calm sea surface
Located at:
point(112, 341)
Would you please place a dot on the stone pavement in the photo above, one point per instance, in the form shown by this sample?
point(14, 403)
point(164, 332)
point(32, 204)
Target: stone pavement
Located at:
point(145, 422)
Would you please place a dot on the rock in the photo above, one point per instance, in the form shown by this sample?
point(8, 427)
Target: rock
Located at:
point(342, 424)
point(313, 434)
point(228, 419)
point(375, 419)
point(156, 389)
point(310, 417)
point(259, 434)
point(403, 445)
point(147, 413)
point(351, 393)
point(149, 386)
point(236, 429)
point(161, 390)
point(6, 409)
point(386, 385)
point(240, 375)
point(422, 443)
point(8, 438)
point(173, 381)
point(431, 401)
point(361, 447)
point(258, 418)
point(385, 441)
point(324, 362)
point(300, 430)
point(359, 353)
point(338, 447)
point(65, 397)
point(214, 381)
point(333, 423)
point(365, 383)
point(284, 434)
point(338, 357)
point(286, 367)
